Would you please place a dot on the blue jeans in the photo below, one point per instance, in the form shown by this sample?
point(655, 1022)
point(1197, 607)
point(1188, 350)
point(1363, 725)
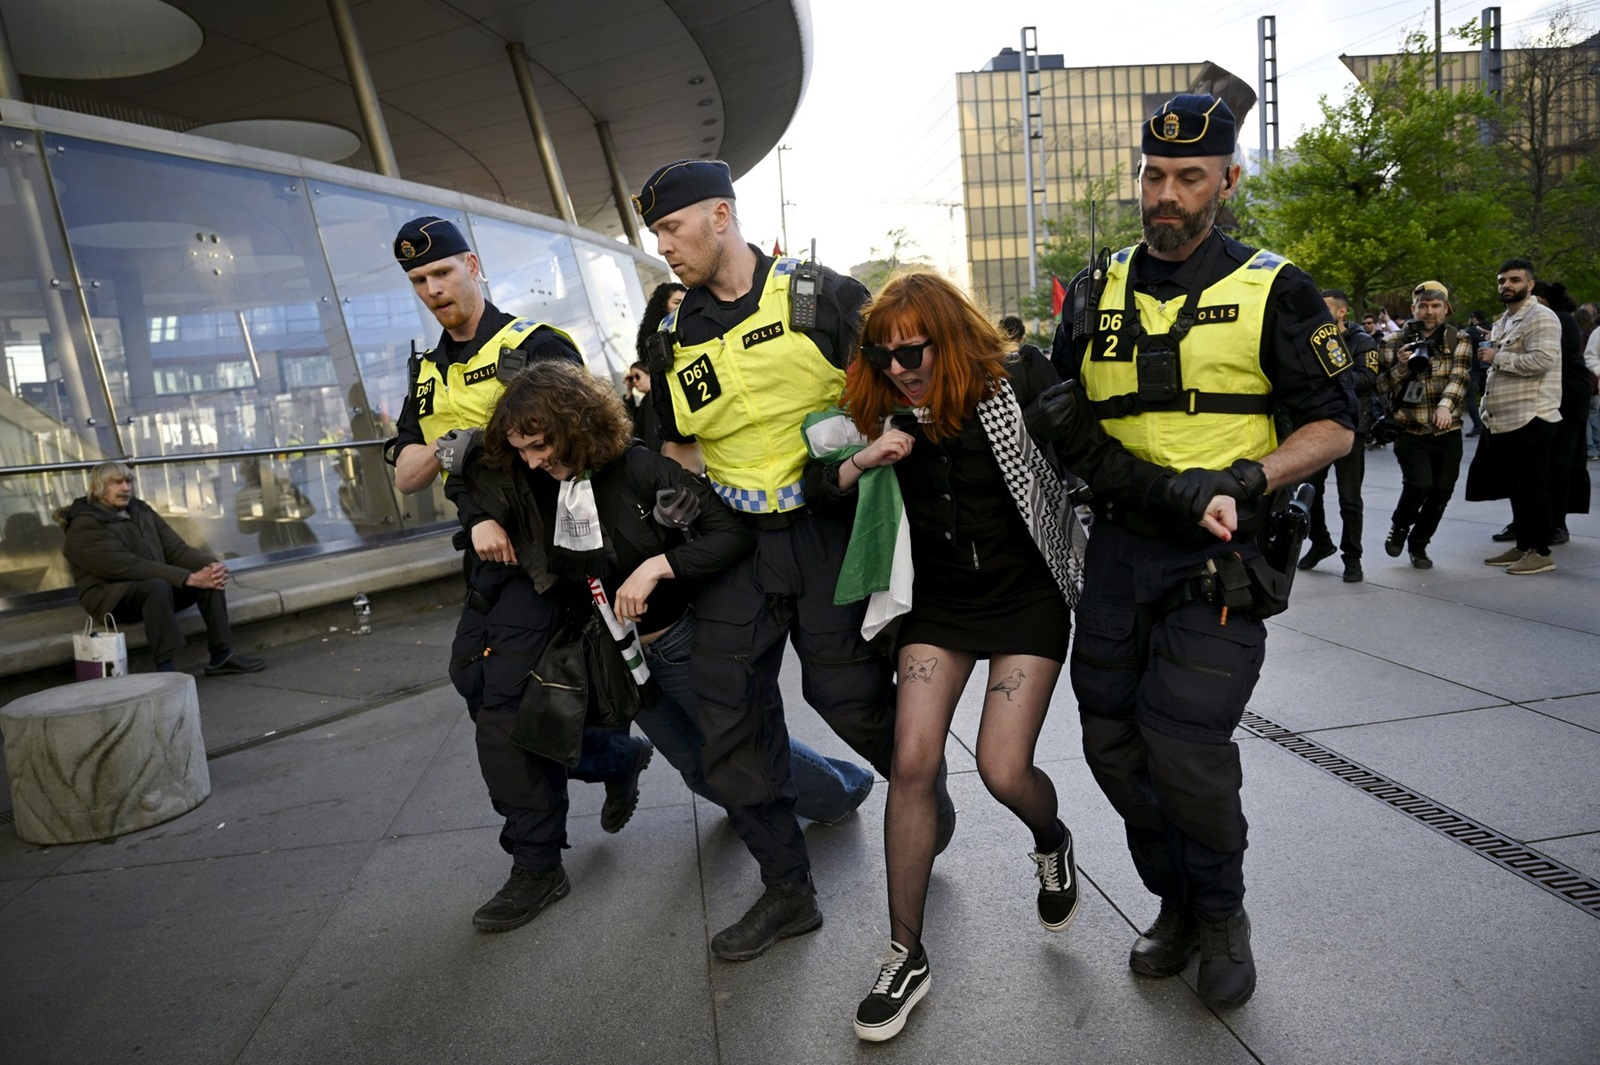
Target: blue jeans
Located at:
point(829, 788)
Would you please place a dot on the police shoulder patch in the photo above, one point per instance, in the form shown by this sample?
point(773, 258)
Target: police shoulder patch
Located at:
point(1329, 348)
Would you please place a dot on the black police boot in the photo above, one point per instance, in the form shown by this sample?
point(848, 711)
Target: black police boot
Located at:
point(622, 794)
point(1314, 554)
point(521, 899)
point(1506, 535)
point(1352, 571)
point(1227, 968)
point(783, 910)
point(1166, 946)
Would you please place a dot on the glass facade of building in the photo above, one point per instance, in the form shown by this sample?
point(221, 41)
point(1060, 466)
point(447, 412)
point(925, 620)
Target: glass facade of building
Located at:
point(1090, 124)
point(232, 323)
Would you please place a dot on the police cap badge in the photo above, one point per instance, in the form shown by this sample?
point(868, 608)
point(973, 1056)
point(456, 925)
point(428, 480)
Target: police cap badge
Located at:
point(1190, 124)
point(425, 240)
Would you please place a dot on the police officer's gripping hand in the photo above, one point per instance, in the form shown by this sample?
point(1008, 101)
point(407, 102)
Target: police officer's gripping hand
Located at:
point(1058, 414)
point(454, 448)
point(1189, 494)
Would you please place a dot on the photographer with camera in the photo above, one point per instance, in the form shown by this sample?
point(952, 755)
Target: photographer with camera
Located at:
point(1423, 382)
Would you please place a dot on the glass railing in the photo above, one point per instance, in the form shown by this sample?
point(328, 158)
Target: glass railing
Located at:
point(239, 335)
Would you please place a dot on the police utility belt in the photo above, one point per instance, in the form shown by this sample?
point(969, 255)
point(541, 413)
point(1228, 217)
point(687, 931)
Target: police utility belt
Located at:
point(1259, 585)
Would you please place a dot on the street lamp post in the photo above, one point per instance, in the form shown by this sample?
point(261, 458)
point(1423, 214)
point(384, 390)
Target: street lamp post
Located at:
point(783, 201)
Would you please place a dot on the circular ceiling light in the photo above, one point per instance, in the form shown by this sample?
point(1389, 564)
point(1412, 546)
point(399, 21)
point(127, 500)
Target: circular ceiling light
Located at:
point(84, 40)
point(313, 140)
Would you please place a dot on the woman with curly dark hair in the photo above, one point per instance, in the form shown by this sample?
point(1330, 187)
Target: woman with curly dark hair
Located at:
point(558, 449)
point(663, 301)
point(936, 396)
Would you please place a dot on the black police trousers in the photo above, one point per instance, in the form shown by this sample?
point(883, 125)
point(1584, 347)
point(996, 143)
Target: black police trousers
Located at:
point(743, 615)
point(1160, 693)
point(1348, 471)
point(493, 651)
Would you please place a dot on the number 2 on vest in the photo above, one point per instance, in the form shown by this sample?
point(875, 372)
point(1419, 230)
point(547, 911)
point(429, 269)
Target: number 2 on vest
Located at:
point(699, 383)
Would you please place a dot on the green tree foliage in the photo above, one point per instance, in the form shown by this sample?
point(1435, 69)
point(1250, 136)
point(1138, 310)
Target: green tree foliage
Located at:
point(1393, 186)
point(1069, 244)
point(1550, 140)
point(887, 261)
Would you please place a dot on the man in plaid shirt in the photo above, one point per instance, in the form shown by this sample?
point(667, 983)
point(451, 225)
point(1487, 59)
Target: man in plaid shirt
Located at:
point(1423, 379)
point(1521, 407)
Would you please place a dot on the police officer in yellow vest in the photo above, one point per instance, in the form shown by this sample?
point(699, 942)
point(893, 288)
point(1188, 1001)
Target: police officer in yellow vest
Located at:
point(508, 617)
point(1181, 356)
point(757, 344)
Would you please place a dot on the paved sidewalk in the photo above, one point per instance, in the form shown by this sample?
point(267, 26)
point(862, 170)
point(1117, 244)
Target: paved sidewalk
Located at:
point(316, 908)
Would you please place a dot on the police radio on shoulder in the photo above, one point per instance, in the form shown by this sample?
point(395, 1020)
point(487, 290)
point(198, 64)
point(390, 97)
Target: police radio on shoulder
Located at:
point(804, 287)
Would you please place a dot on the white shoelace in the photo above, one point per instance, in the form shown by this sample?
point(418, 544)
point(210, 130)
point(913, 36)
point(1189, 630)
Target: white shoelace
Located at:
point(1049, 873)
point(890, 968)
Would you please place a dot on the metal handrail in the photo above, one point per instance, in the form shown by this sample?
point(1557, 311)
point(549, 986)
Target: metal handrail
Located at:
point(202, 456)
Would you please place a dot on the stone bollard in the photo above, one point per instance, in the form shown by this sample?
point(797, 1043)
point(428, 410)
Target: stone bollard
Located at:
point(102, 758)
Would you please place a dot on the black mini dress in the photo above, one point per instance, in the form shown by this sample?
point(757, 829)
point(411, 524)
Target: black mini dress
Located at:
point(981, 584)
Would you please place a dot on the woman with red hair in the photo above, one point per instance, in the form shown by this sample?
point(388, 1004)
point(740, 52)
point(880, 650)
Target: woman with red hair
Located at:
point(937, 396)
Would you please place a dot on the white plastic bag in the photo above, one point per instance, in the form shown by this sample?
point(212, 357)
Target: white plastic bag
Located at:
point(100, 654)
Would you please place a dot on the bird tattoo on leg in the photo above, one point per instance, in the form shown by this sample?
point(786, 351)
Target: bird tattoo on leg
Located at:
point(1009, 684)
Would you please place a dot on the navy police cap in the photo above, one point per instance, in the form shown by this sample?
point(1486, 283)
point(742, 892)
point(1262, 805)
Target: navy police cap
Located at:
point(1190, 124)
point(677, 185)
point(425, 240)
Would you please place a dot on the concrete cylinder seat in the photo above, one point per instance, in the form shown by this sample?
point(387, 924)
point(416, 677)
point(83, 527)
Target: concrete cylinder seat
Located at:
point(102, 758)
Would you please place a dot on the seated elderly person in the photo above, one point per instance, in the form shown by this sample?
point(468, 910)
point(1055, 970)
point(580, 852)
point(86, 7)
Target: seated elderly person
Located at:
point(130, 564)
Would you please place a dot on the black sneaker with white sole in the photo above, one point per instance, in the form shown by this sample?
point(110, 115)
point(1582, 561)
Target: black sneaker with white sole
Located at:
point(902, 981)
point(1058, 884)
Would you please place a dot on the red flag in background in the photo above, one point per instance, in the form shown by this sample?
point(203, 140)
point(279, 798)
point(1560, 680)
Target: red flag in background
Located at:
point(777, 249)
point(1058, 296)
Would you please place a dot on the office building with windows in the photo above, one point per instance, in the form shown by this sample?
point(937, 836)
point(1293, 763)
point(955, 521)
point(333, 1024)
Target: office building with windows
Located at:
point(201, 207)
point(1089, 121)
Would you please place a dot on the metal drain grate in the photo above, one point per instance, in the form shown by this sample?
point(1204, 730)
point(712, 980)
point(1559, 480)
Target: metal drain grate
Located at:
point(1560, 880)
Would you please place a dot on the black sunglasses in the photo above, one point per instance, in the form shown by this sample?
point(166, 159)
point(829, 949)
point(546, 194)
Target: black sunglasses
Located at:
point(909, 356)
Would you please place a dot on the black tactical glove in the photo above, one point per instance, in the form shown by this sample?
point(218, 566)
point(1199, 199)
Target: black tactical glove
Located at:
point(1188, 493)
point(1058, 413)
point(455, 447)
point(676, 508)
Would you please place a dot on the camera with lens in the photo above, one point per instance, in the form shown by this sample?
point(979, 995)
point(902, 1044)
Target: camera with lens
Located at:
point(1423, 349)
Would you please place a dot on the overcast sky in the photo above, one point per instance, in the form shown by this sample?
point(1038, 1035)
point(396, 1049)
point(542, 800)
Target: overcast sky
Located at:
point(880, 63)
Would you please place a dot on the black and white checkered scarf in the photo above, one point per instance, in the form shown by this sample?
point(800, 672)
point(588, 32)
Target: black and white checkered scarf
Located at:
point(1036, 490)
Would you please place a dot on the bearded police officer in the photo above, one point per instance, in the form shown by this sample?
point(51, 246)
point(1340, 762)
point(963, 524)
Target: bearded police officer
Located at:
point(508, 617)
point(1182, 347)
point(755, 346)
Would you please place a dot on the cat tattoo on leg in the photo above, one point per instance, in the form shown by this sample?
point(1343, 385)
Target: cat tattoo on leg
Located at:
point(920, 669)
